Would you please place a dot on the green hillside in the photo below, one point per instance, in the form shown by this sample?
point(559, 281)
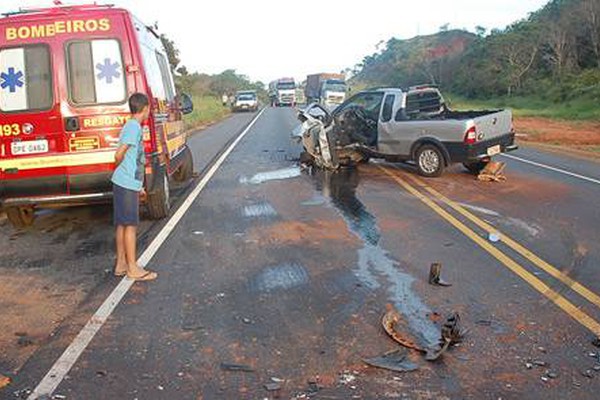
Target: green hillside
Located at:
point(551, 60)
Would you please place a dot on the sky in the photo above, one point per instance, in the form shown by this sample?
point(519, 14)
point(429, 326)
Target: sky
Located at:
point(269, 39)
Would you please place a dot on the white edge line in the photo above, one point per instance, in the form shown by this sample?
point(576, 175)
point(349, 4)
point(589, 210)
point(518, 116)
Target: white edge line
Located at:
point(562, 171)
point(68, 358)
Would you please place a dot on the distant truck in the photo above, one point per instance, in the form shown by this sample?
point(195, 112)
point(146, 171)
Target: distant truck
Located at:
point(282, 92)
point(245, 100)
point(329, 90)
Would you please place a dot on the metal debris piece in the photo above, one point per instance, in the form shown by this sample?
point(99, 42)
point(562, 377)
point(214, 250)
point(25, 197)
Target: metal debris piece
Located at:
point(551, 375)
point(493, 172)
point(395, 360)
point(435, 275)
point(272, 387)
point(452, 333)
point(236, 367)
point(452, 330)
point(390, 321)
point(434, 354)
point(587, 373)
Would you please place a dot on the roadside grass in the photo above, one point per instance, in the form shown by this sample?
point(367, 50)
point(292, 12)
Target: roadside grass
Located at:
point(207, 109)
point(581, 109)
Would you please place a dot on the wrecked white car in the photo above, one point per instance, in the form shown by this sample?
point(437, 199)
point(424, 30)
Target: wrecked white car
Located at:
point(404, 125)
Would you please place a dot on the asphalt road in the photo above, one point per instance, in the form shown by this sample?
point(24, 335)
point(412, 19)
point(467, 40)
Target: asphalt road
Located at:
point(286, 274)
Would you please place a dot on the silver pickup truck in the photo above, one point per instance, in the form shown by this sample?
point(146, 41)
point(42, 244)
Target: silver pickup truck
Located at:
point(404, 125)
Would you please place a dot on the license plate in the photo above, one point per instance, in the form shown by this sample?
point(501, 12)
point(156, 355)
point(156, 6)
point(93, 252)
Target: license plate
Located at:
point(29, 147)
point(492, 151)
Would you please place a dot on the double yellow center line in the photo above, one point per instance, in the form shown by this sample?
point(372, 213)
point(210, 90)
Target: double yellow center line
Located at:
point(531, 279)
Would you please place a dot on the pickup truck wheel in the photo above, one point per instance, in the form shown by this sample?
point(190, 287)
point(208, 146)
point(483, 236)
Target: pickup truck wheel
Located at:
point(475, 167)
point(430, 161)
point(159, 201)
point(20, 217)
point(186, 169)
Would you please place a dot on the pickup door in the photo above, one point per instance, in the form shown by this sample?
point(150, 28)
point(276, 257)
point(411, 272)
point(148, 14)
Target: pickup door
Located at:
point(402, 120)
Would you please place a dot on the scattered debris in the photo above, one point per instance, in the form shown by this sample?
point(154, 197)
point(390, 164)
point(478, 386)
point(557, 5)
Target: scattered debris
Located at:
point(161, 388)
point(596, 342)
point(272, 387)
point(545, 378)
point(451, 333)
point(539, 363)
point(24, 341)
point(596, 368)
point(395, 360)
point(101, 374)
point(277, 380)
point(493, 172)
point(587, 373)
point(494, 237)
point(59, 397)
point(435, 275)
point(236, 367)
point(346, 378)
point(390, 321)
point(4, 381)
point(528, 365)
point(551, 374)
point(452, 330)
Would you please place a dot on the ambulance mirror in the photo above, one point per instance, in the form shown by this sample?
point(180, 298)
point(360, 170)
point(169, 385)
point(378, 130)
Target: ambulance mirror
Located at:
point(185, 103)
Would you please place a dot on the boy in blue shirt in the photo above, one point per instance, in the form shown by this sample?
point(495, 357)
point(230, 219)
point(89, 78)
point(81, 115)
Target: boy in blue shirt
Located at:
point(128, 187)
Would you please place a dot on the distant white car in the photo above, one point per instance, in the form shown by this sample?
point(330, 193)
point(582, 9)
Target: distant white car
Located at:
point(245, 101)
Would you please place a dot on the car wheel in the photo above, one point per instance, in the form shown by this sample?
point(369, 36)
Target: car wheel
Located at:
point(475, 167)
point(430, 161)
point(20, 217)
point(159, 202)
point(186, 169)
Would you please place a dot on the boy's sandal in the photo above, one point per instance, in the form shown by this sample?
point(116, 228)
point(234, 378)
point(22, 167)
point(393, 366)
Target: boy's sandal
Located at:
point(147, 276)
point(120, 273)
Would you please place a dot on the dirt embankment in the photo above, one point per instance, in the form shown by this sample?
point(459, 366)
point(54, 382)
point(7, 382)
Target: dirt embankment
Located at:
point(581, 137)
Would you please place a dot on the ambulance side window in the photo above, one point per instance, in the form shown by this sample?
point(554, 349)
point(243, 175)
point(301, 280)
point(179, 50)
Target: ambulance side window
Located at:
point(25, 79)
point(153, 74)
point(96, 74)
point(165, 73)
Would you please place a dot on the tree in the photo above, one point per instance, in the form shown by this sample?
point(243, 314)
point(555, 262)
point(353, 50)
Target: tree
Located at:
point(590, 14)
point(172, 51)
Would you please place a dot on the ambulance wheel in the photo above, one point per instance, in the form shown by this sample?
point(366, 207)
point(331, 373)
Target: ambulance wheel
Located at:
point(158, 197)
point(186, 169)
point(20, 217)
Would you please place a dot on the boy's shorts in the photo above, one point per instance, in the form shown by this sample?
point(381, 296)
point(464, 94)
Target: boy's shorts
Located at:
point(126, 206)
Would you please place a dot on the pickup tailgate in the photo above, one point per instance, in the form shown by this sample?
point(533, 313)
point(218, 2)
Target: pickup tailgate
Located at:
point(493, 125)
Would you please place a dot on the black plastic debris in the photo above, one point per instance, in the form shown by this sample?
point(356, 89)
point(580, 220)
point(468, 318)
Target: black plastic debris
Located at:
point(272, 387)
point(396, 360)
point(236, 367)
point(435, 275)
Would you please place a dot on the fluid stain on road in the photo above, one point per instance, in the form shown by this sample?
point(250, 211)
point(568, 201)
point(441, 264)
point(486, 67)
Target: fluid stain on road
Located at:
point(279, 174)
point(281, 277)
point(375, 267)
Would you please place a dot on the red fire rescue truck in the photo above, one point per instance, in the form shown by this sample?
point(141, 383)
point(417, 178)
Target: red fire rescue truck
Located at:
point(65, 76)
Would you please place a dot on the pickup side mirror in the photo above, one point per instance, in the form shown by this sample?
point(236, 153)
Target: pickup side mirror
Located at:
point(185, 103)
